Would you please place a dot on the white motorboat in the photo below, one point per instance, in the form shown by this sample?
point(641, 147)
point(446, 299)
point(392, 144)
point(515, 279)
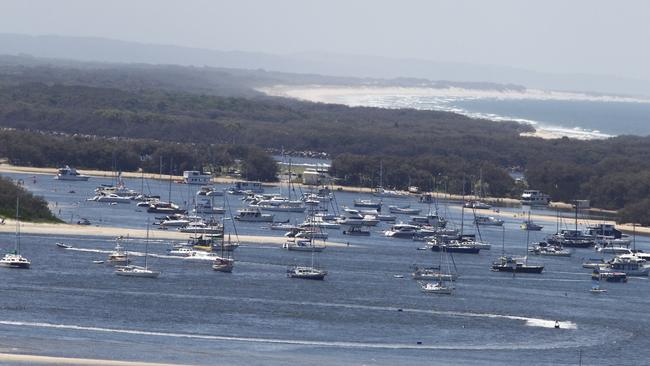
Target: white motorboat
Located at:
point(488, 221)
point(630, 265)
point(368, 204)
point(201, 228)
point(436, 288)
point(70, 174)
point(311, 234)
point(111, 198)
point(532, 197)
point(614, 250)
point(209, 191)
point(197, 177)
point(287, 206)
point(283, 227)
point(201, 256)
point(175, 222)
point(381, 192)
point(404, 231)
point(206, 207)
point(550, 250)
point(181, 251)
point(320, 224)
point(253, 215)
point(302, 245)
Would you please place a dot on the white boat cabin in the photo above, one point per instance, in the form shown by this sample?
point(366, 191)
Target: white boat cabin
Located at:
point(197, 177)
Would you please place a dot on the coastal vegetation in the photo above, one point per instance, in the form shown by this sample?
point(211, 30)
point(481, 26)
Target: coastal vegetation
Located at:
point(91, 116)
point(55, 150)
point(32, 208)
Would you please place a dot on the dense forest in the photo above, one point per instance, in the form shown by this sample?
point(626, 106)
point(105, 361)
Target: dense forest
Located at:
point(121, 154)
point(32, 208)
point(425, 148)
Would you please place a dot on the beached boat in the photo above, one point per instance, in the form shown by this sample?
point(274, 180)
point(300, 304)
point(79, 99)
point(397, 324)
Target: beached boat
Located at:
point(532, 197)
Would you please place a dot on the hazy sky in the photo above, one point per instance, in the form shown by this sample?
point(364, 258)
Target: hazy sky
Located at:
point(590, 36)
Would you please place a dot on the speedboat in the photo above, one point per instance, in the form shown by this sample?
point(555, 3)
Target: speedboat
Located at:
point(70, 174)
point(209, 192)
point(477, 205)
point(136, 271)
point(181, 251)
point(306, 273)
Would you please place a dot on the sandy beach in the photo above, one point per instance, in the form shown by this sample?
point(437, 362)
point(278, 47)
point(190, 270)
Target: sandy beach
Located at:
point(114, 232)
point(16, 359)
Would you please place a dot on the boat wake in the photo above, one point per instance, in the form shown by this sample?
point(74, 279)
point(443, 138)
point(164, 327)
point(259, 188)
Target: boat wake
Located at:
point(297, 342)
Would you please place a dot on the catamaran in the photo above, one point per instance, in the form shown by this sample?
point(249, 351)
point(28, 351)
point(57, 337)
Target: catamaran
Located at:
point(15, 260)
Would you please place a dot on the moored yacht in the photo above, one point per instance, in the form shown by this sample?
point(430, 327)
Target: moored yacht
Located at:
point(70, 174)
point(253, 214)
point(533, 197)
point(14, 259)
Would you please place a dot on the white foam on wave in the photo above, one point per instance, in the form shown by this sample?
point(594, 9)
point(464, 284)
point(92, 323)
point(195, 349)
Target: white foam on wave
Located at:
point(442, 99)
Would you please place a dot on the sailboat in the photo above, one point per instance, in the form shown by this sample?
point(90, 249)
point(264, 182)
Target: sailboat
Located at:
point(443, 285)
point(307, 244)
point(15, 260)
point(225, 262)
point(515, 264)
point(137, 271)
point(380, 191)
point(307, 272)
point(595, 283)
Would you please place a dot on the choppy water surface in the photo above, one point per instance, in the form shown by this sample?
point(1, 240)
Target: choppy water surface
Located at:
point(68, 306)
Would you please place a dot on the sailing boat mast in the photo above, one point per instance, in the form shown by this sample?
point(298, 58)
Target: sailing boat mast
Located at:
point(146, 246)
point(17, 249)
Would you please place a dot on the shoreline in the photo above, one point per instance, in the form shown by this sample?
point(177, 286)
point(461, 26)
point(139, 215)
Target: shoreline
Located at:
point(496, 201)
point(15, 358)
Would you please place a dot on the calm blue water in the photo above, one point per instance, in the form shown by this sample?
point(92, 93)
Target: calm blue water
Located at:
point(68, 306)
